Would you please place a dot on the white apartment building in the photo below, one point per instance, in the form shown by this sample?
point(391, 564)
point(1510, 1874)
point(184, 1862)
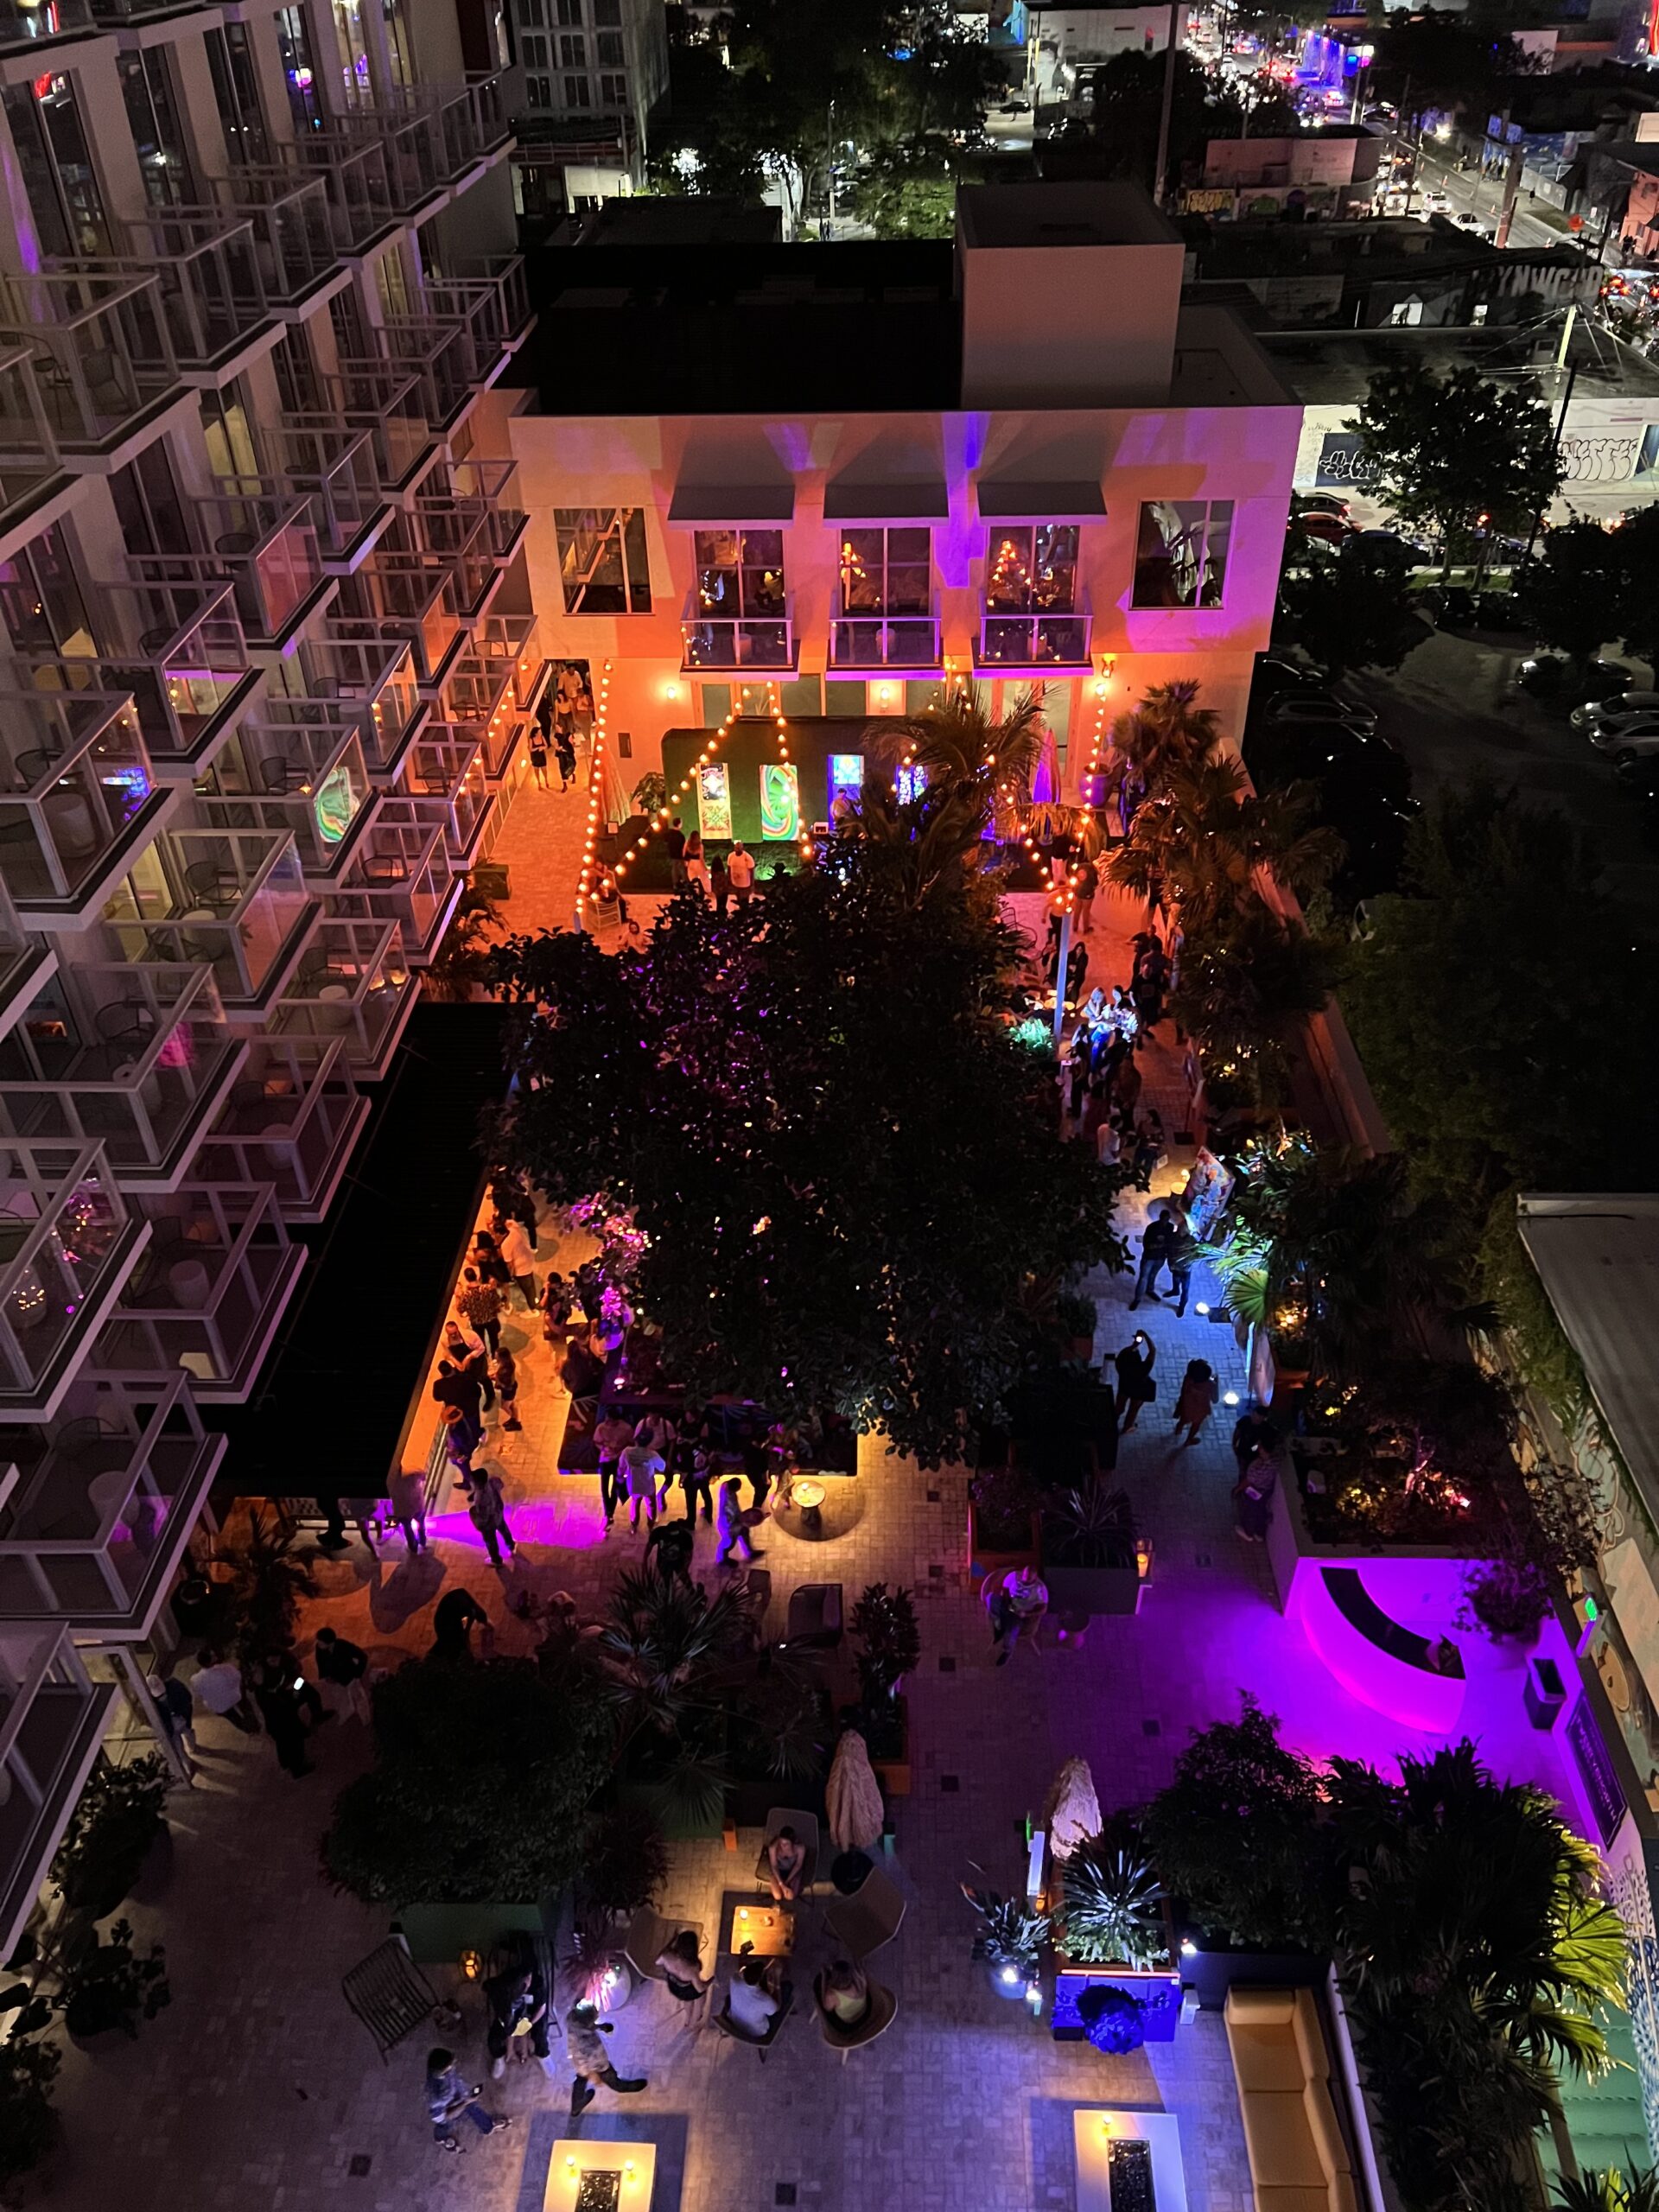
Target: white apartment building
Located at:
point(592, 72)
point(267, 661)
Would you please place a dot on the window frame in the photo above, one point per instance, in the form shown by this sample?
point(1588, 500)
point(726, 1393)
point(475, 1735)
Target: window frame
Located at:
point(620, 531)
point(1214, 520)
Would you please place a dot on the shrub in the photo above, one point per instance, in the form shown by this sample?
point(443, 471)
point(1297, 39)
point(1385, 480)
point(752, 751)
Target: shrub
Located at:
point(28, 2123)
point(120, 1813)
point(1113, 2020)
point(1110, 1912)
point(1090, 1528)
point(1507, 1597)
point(884, 1621)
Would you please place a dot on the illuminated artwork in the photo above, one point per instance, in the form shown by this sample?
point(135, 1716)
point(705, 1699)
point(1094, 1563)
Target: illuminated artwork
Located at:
point(714, 799)
point(780, 800)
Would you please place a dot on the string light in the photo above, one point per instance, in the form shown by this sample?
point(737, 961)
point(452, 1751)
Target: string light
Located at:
point(803, 835)
point(594, 761)
point(664, 814)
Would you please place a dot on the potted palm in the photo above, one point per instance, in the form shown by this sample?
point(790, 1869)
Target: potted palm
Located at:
point(884, 1626)
point(1009, 1941)
point(1112, 1935)
point(1088, 1558)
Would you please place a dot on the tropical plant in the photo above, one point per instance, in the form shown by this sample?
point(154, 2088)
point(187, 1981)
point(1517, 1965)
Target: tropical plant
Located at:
point(650, 792)
point(625, 1861)
point(1010, 1935)
point(1345, 610)
point(112, 1986)
point(974, 771)
point(29, 2125)
point(1168, 732)
point(1211, 841)
point(1233, 1834)
point(1113, 2020)
point(1093, 1527)
point(1245, 992)
point(465, 957)
point(884, 1624)
point(1074, 1316)
point(1109, 1907)
point(1609, 2189)
point(1508, 1597)
point(120, 1812)
point(269, 1578)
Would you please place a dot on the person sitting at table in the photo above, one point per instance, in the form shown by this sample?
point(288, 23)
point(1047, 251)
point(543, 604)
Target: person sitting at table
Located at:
point(756, 1996)
point(786, 1863)
point(680, 1963)
point(842, 1993)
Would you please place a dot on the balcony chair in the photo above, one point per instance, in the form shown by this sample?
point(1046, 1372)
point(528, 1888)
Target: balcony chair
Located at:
point(872, 1916)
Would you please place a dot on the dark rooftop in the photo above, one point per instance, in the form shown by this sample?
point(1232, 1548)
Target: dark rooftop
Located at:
point(652, 329)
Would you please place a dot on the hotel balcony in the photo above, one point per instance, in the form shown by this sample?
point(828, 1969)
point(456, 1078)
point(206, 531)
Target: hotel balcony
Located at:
point(445, 783)
point(372, 678)
point(267, 548)
point(511, 644)
point(291, 1122)
point(206, 1297)
point(295, 250)
point(99, 1508)
point(335, 470)
point(78, 801)
point(1036, 644)
point(103, 363)
point(487, 490)
point(179, 651)
point(491, 296)
point(29, 468)
point(22, 28)
point(353, 986)
point(53, 1719)
point(68, 1244)
point(206, 262)
point(138, 1059)
point(714, 641)
point(430, 135)
point(384, 403)
point(25, 964)
point(356, 177)
point(309, 780)
point(401, 873)
point(459, 535)
point(412, 597)
point(233, 899)
point(866, 642)
point(442, 358)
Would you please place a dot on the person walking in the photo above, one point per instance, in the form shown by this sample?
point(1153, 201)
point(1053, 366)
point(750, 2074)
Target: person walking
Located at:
point(487, 1511)
point(720, 882)
point(458, 1444)
point(740, 867)
point(479, 1304)
point(506, 1376)
point(519, 1258)
point(612, 1433)
point(674, 846)
point(731, 1528)
point(564, 751)
point(590, 2061)
point(217, 1685)
point(343, 1665)
point(176, 1711)
point(1199, 1391)
point(276, 1693)
point(1135, 1387)
point(1156, 1240)
point(447, 2096)
point(407, 1490)
point(538, 757)
point(640, 1466)
point(697, 867)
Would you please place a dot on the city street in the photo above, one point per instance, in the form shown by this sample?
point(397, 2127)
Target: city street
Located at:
point(1536, 222)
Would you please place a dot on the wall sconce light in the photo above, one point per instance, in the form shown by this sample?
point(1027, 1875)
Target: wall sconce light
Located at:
point(670, 690)
point(472, 1966)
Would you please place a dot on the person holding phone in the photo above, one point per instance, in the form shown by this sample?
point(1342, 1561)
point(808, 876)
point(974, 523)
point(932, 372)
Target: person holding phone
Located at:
point(447, 2096)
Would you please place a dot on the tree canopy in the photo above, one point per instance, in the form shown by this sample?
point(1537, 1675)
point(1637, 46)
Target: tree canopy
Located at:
point(1434, 58)
point(1346, 612)
point(1447, 451)
point(1125, 97)
point(1572, 593)
point(848, 1172)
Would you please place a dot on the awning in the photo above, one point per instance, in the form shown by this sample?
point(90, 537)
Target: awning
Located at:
point(357, 1344)
point(732, 503)
point(1598, 1258)
point(1018, 500)
point(925, 500)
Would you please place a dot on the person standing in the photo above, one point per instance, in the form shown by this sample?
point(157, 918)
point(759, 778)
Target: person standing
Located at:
point(455, 1617)
point(276, 1693)
point(176, 1711)
point(519, 1257)
point(538, 757)
point(407, 1490)
point(674, 846)
point(740, 868)
point(479, 1306)
point(487, 1511)
point(1156, 1240)
point(697, 867)
point(1135, 1387)
point(505, 1374)
point(564, 751)
point(1199, 1391)
point(447, 2096)
point(217, 1686)
point(639, 1467)
point(1183, 1257)
point(343, 1665)
point(589, 2061)
point(731, 1527)
point(1084, 885)
point(696, 1473)
point(518, 2005)
point(462, 1387)
point(720, 882)
point(458, 1444)
point(1252, 1497)
point(612, 1433)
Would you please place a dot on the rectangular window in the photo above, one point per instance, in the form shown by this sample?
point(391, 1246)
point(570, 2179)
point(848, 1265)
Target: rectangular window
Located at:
point(531, 15)
point(608, 11)
point(1032, 568)
point(538, 91)
point(1180, 555)
point(886, 571)
point(391, 283)
point(296, 370)
point(345, 316)
point(398, 57)
point(602, 565)
point(57, 169)
point(231, 453)
point(236, 92)
point(147, 503)
point(352, 51)
point(740, 571)
point(567, 11)
point(613, 91)
point(299, 72)
point(153, 119)
point(534, 51)
point(573, 50)
point(578, 93)
point(612, 53)
point(40, 603)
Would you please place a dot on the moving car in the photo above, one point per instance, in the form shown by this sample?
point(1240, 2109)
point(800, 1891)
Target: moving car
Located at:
point(1437, 200)
point(1322, 706)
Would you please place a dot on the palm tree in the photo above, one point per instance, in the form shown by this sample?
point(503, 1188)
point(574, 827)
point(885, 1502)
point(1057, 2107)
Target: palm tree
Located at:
point(1212, 840)
point(976, 770)
point(1167, 731)
point(1244, 995)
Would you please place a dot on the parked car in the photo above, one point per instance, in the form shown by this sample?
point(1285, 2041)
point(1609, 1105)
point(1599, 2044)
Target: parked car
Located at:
point(1390, 547)
point(1276, 674)
point(1315, 706)
point(1323, 503)
point(1626, 734)
point(1483, 227)
point(1437, 200)
point(1452, 606)
point(1621, 702)
point(1549, 676)
point(1330, 530)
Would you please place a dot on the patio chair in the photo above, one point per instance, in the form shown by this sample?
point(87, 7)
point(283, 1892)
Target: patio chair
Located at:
point(806, 1825)
point(878, 2019)
point(870, 1917)
point(815, 1617)
point(390, 1995)
point(648, 1933)
point(760, 2044)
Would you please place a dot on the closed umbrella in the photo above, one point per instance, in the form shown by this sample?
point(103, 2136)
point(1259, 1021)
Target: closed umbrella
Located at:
point(852, 1797)
point(614, 805)
point(1046, 777)
point(1073, 1812)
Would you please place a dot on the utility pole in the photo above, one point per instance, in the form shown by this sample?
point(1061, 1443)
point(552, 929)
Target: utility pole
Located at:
point(1561, 352)
point(1162, 171)
point(1511, 187)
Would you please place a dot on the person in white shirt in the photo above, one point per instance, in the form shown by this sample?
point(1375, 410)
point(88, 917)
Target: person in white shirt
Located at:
point(755, 1996)
point(640, 1468)
point(217, 1685)
point(520, 1256)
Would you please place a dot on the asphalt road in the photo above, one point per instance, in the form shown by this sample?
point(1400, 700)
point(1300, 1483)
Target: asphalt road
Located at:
point(1452, 709)
point(1469, 189)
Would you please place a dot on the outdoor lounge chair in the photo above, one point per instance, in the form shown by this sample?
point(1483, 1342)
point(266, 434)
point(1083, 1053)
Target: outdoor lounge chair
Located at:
point(815, 1615)
point(883, 2007)
point(806, 1825)
point(760, 2045)
point(390, 1995)
point(870, 1917)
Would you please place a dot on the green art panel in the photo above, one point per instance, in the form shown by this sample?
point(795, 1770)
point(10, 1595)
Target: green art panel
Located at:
point(780, 801)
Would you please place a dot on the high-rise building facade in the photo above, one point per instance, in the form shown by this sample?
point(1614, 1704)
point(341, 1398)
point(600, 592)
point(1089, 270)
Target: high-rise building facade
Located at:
point(268, 658)
point(592, 73)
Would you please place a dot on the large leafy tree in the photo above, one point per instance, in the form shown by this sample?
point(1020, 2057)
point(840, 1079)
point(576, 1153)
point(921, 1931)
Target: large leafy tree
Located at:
point(1572, 593)
point(1126, 95)
point(1345, 612)
point(1447, 451)
point(1433, 59)
point(1212, 840)
point(848, 1172)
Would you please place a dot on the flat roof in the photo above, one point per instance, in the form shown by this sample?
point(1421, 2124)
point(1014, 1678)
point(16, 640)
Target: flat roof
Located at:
point(1598, 1258)
point(1330, 367)
point(1052, 214)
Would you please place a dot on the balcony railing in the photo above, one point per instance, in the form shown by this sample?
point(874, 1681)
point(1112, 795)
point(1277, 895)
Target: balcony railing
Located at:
point(67, 1241)
point(133, 1058)
point(291, 1122)
point(307, 780)
point(335, 469)
point(52, 1717)
point(29, 451)
point(1035, 641)
point(458, 532)
point(373, 677)
point(722, 641)
point(400, 874)
point(860, 638)
point(236, 899)
point(412, 595)
point(76, 794)
point(292, 228)
point(443, 358)
point(103, 360)
point(94, 1527)
point(206, 1296)
point(207, 264)
point(445, 780)
point(180, 652)
point(491, 296)
point(357, 178)
point(25, 963)
point(513, 642)
point(354, 985)
point(268, 549)
point(384, 403)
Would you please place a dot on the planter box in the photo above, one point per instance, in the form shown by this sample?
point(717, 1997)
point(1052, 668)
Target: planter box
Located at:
point(983, 1560)
point(1160, 1992)
point(437, 1934)
point(1092, 1589)
point(1211, 1972)
point(893, 1774)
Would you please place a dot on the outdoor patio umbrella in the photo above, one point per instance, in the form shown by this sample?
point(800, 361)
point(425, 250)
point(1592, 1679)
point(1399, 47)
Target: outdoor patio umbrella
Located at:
point(614, 805)
point(1073, 1811)
point(852, 1797)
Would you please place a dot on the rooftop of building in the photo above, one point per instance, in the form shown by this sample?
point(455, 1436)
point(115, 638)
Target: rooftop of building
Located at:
point(1273, 247)
point(1048, 214)
point(659, 219)
point(1329, 367)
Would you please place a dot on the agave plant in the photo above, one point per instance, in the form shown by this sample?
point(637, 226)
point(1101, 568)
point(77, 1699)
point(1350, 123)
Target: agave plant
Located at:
point(1011, 1934)
point(1609, 2189)
point(1109, 1911)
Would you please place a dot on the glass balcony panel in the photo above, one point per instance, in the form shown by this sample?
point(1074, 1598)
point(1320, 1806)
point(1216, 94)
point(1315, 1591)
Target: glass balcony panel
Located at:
point(203, 1294)
point(374, 677)
point(492, 297)
point(180, 652)
point(412, 595)
point(267, 547)
point(385, 404)
point(207, 267)
point(74, 777)
point(353, 984)
point(724, 642)
point(289, 1121)
point(103, 356)
point(512, 642)
point(311, 782)
point(399, 874)
point(233, 899)
point(63, 1231)
point(445, 776)
point(1034, 641)
point(292, 230)
point(29, 452)
point(335, 470)
point(441, 355)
